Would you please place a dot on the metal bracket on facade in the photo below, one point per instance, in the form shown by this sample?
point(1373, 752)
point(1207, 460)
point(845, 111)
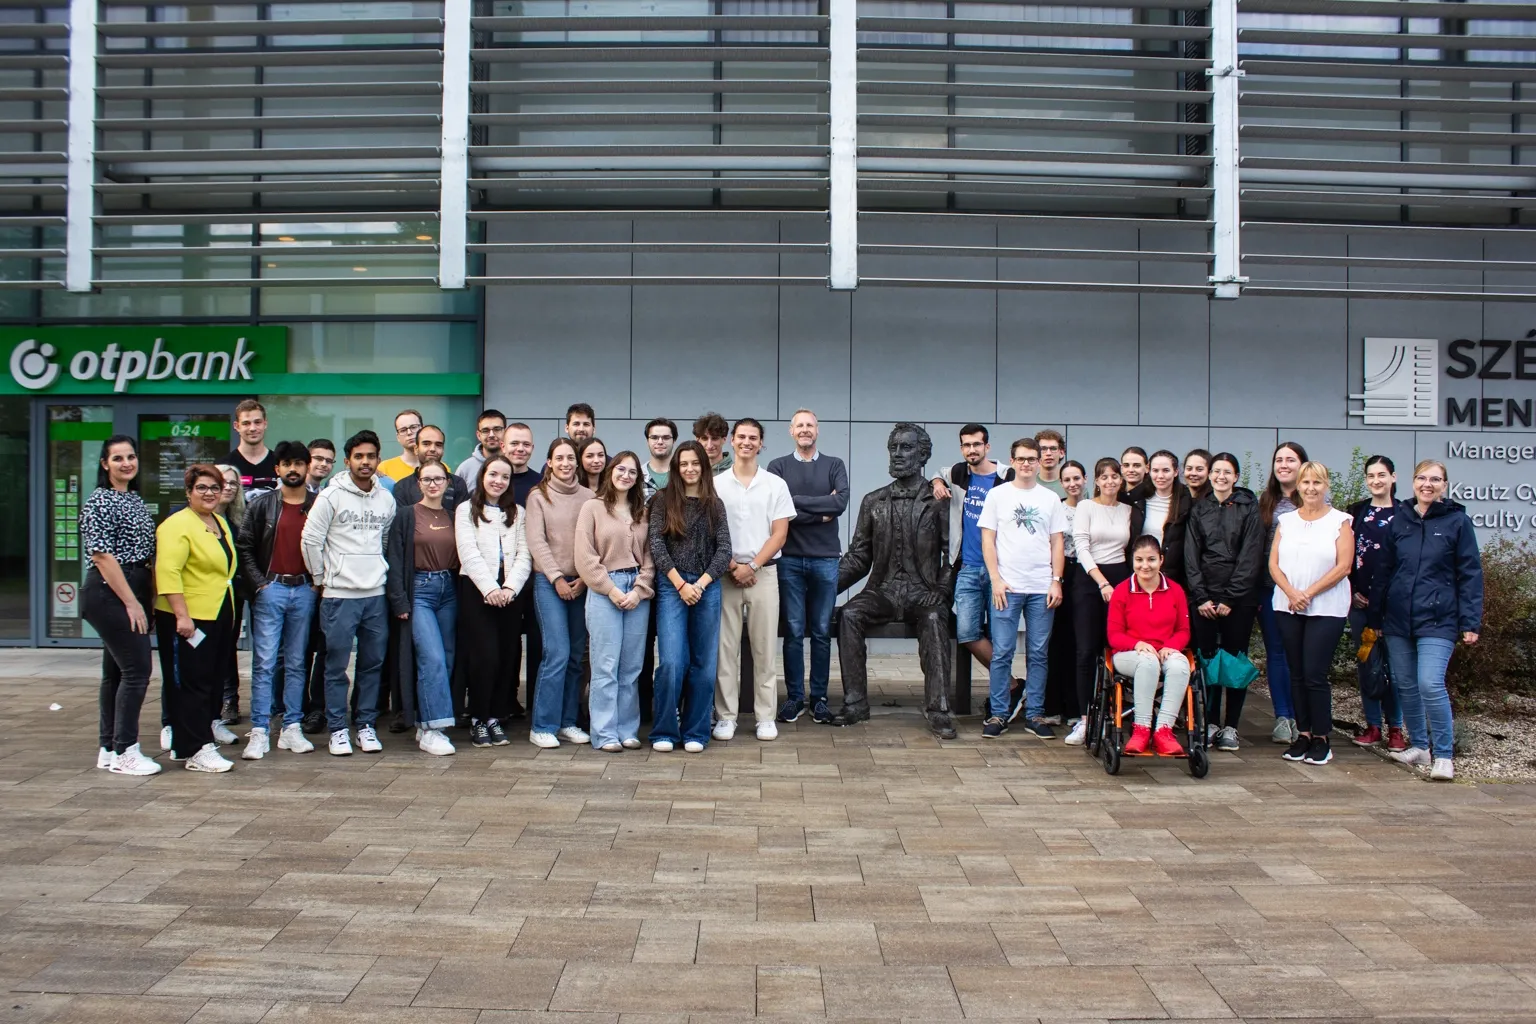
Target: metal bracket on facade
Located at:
point(453, 219)
point(80, 172)
point(1226, 263)
point(843, 105)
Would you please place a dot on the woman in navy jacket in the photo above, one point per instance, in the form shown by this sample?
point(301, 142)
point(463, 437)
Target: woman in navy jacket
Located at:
point(1427, 593)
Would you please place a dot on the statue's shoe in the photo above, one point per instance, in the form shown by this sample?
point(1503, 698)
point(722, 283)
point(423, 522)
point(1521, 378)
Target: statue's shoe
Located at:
point(851, 716)
point(942, 725)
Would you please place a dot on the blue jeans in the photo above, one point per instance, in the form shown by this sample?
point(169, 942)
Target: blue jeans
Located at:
point(434, 610)
point(563, 626)
point(1276, 670)
point(807, 593)
point(616, 640)
point(973, 597)
point(687, 643)
point(1418, 677)
point(365, 619)
point(1005, 640)
point(279, 637)
point(1382, 713)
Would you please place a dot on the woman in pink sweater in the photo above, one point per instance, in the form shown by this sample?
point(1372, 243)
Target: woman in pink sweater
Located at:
point(613, 556)
point(559, 596)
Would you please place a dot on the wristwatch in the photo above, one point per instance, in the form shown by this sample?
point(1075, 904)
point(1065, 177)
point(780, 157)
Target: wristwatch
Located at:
point(1057, 579)
point(753, 567)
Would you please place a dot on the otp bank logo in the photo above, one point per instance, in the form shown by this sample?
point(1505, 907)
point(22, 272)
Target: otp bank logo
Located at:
point(32, 365)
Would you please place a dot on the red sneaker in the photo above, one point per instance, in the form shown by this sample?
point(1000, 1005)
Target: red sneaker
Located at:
point(1141, 735)
point(1370, 737)
point(1165, 744)
point(1396, 740)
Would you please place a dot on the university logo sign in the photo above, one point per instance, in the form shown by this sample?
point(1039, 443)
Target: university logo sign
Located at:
point(1403, 378)
point(150, 360)
point(1402, 382)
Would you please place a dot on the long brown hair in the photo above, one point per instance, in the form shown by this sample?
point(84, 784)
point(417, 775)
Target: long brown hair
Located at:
point(581, 469)
point(507, 502)
point(609, 494)
point(1272, 491)
point(1179, 499)
point(543, 484)
point(674, 496)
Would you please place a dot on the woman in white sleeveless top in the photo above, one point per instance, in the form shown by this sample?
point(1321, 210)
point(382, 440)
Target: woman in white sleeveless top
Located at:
point(1313, 551)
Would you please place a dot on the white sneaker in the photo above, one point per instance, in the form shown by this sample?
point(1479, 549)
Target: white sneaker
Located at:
point(292, 738)
point(341, 743)
point(547, 740)
point(1442, 771)
point(104, 758)
point(368, 740)
point(165, 739)
point(1418, 757)
point(432, 741)
point(1079, 734)
point(209, 760)
point(573, 735)
point(630, 743)
point(662, 746)
point(133, 762)
point(694, 747)
point(256, 745)
point(724, 729)
point(222, 735)
point(767, 731)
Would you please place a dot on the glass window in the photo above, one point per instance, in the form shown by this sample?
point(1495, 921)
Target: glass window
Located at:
point(338, 417)
point(396, 347)
point(15, 594)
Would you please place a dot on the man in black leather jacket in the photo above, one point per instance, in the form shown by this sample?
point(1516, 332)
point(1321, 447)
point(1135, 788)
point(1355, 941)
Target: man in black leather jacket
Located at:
point(901, 542)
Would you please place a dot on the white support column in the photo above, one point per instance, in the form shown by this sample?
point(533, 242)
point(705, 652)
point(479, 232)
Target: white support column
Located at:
point(844, 171)
point(1226, 267)
point(452, 228)
point(80, 173)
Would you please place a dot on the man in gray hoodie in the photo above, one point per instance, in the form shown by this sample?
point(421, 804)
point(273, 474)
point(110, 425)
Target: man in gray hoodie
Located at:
point(343, 545)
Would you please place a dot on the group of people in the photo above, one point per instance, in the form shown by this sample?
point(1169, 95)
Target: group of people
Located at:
point(618, 566)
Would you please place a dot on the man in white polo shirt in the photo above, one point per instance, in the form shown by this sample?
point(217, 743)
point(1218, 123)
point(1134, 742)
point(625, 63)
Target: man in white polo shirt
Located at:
point(758, 508)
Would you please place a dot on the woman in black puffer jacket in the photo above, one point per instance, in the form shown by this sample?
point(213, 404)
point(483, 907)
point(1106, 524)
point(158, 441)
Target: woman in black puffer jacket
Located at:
point(1224, 557)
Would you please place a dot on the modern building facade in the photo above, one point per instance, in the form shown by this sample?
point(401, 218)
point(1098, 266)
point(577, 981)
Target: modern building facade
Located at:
point(1174, 223)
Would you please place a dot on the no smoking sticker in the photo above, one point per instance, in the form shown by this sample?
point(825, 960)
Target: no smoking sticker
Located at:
point(64, 604)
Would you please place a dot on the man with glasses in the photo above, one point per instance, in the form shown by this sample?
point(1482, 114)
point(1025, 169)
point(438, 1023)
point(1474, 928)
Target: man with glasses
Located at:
point(322, 462)
point(489, 427)
point(660, 437)
point(430, 443)
point(407, 423)
point(1053, 452)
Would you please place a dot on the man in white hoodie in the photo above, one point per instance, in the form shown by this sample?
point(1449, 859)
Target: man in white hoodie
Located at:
point(343, 544)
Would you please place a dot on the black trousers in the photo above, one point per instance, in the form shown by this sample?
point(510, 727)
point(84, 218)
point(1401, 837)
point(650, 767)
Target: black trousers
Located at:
point(647, 678)
point(1061, 658)
point(1230, 633)
point(1310, 641)
point(194, 676)
point(125, 654)
point(232, 657)
point(488, 649)
point(1090, 621)
point(529, 626)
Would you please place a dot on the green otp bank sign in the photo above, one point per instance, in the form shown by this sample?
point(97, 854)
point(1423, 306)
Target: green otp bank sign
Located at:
point(142, 360)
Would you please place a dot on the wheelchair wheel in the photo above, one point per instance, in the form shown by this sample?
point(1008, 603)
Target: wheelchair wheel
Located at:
point(1199, 762)
point(1111, 757)
point(1095, 714)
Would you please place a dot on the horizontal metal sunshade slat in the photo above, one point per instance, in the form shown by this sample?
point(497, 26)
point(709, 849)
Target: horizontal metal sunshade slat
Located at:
point(325, 26)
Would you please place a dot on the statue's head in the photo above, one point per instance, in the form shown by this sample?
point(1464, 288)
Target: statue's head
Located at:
point(909, 447)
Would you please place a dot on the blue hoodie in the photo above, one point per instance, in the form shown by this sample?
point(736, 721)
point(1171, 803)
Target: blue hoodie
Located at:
point(1430, 580)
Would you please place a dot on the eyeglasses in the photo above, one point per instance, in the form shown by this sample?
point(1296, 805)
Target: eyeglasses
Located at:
point(1026, 459)
point(1049, 448)
point(410, 429)
point(230, 485)
point(490, 431)
point(433, 481)
point(658, 437)
point(208, 488)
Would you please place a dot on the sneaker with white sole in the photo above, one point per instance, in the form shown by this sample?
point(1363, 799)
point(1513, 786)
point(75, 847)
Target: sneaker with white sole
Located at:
point(256, 745)
point(292, 738)
point(133, 762)
point(433, 742)
point(694, 747)
point(222, 735)
point(662, 746)
point(1417, 757)
point(574, 735)
point(209, 760)
point(1226, 739)
point(368, 740)
point(104, 758)
point(724, 729)
point(1285, 731)
point(630, 743)
point(1079, 734)
point(165, 739)
point(547, 740)
point(341, 743)
point(767, 731)
point(1443, 770)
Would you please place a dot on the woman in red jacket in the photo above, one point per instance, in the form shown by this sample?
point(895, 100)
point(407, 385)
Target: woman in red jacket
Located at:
point(1148, 631)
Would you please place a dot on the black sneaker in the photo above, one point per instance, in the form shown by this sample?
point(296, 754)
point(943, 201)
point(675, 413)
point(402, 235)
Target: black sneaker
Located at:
point(314, 722)
point(1015, 699)
point(1319, 752)
point(518, 712)
point(229, 714)
point(993, 727)
point(791, 710)
point(497, 733)
point(480, 734)
point(1039, 728)
point(1298, 750)
point(820, 713)
point(399, 724)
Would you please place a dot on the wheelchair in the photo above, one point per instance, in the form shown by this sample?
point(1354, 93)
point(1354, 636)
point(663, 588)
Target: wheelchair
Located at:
point(1109, 718)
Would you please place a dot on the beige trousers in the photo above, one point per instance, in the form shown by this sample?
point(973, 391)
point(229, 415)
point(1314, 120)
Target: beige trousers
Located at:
point(759, 606)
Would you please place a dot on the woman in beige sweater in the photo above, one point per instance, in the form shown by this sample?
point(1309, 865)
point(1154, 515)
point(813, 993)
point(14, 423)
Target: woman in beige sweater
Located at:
point(613, 556)
point(559, 596)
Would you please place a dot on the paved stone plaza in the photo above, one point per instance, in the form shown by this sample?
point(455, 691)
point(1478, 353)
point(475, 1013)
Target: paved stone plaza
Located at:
point(870, 873)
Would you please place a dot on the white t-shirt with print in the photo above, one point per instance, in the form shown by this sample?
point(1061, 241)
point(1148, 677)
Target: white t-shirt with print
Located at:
point(1024, 519)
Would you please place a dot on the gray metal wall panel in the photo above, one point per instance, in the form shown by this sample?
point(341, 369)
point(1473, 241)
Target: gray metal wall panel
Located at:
point(815, 351)
point(1174, 358)
point(923, 353)
point(549, 347)
point(1086, 342)
point(700, 347)
point(1269, 357)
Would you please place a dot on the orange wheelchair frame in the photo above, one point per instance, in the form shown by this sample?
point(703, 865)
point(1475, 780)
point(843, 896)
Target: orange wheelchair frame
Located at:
point(1106, 716)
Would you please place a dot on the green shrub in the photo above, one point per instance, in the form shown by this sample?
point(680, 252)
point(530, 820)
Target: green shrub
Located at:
point(1504, 658)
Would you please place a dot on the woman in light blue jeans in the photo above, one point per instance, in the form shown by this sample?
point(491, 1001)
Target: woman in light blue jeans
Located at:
point(613, 556)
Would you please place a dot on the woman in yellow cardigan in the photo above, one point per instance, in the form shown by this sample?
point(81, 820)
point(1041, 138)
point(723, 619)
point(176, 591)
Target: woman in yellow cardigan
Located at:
point(194, 616)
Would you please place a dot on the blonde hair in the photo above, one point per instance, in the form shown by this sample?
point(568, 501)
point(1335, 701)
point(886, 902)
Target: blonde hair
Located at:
point(1315, 469)
point(235, 511)
point(1426, 463)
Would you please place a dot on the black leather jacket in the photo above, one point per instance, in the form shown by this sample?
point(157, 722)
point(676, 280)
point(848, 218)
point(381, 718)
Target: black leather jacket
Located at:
point(871, 552)
point(408, 491)
point(253, 543)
